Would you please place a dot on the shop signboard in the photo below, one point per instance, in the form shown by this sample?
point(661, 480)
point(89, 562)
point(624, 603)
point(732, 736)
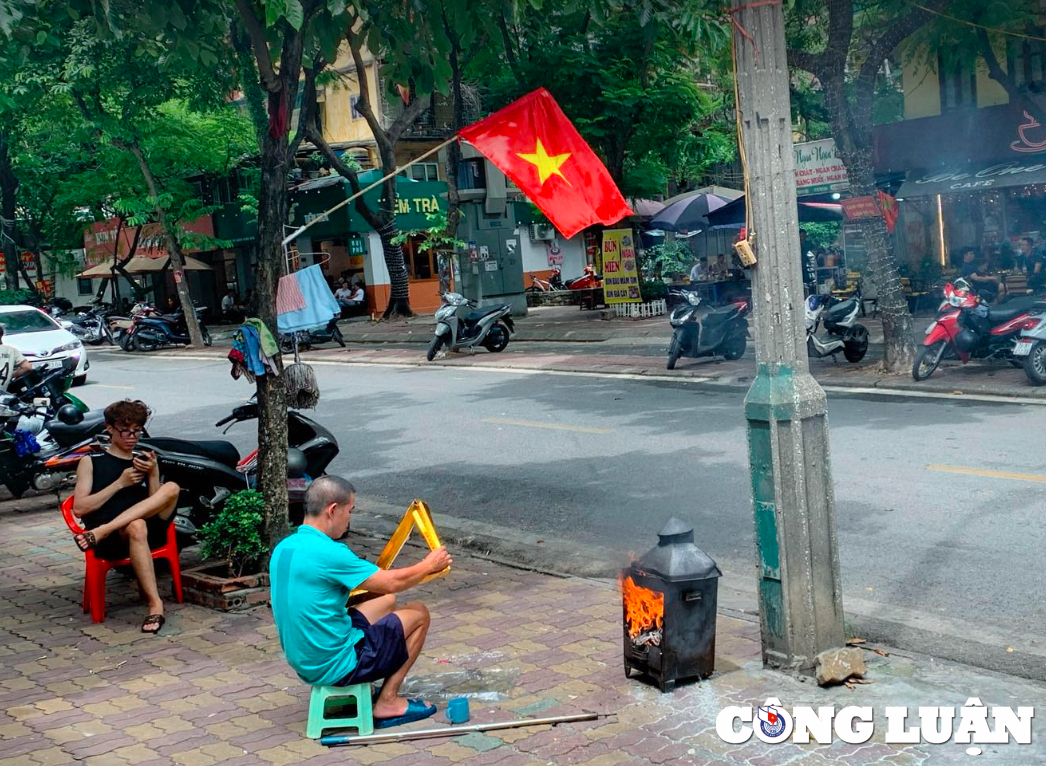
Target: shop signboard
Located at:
point(860, 207)
point(818, 168)
point(620, 278)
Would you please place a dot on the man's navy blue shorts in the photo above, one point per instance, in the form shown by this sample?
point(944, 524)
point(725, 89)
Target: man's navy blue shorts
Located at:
point(380, 653)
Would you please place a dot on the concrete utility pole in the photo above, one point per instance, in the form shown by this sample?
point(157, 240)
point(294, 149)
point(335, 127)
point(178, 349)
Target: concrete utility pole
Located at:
point(801, 611)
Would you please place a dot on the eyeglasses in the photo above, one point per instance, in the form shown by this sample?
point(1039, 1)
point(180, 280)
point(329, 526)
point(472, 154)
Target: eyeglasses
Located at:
point(129, 433)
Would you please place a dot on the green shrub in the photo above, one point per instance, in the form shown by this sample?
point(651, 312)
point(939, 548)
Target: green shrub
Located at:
point(15, 297)
point(235, 534)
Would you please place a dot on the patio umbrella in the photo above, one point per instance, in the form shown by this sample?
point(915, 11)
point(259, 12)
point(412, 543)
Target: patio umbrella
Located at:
point(688, 214)
point(645, 208)
point(732, 215)
point(141, 264)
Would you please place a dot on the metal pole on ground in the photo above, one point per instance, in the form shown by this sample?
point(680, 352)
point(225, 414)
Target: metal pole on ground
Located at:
point(800, 599)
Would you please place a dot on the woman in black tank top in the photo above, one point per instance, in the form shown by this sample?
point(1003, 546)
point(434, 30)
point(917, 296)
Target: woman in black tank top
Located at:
point(125, 509)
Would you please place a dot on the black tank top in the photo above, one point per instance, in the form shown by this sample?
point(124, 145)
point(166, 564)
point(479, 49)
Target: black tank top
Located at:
point(107, 469)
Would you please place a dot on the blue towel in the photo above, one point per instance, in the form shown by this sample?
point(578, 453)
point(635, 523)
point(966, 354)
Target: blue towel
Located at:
point(320, 305)
point(252, 358)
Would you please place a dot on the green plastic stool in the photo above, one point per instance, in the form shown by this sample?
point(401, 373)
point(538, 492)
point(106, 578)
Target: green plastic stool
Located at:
point(363, 721)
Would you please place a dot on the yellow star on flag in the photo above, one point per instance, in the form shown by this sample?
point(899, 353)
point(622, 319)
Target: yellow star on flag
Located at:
point(547, 165)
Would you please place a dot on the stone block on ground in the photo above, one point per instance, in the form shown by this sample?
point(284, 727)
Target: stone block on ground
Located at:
point(834, 666)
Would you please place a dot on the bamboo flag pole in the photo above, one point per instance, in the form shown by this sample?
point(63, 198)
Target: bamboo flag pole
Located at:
point(298, 232)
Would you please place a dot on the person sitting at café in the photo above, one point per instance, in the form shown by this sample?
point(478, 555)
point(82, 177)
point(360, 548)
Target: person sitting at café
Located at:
point(232, 311)
point(1035, 263)
point(720, 269)
point(343, 295)
point(977, 273)
point(357, 297)
point(125, 508)
point(700, 270)
point(312, 576)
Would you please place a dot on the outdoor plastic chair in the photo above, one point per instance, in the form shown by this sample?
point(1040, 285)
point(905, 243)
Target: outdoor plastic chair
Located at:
point(98, 568)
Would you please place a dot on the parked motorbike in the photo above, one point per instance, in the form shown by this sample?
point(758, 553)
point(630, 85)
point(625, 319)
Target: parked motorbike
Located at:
point(706, 331)
point(587, 281)
point(1031, 347)
point(842, 333)
point(969, 328)
point(208, 472)
point(458, 326)
point(152, 332)
point(120, 326)
point(92, 326)
point(308, 338)
point(59, 425)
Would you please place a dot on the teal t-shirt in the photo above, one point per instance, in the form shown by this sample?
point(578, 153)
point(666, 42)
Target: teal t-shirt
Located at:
point(310, 580)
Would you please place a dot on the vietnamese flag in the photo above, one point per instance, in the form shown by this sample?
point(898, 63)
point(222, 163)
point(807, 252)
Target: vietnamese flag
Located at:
point(535, 145)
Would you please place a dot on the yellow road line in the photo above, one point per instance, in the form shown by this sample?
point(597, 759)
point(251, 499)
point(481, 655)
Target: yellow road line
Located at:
point(551, 426)
point(990, 474)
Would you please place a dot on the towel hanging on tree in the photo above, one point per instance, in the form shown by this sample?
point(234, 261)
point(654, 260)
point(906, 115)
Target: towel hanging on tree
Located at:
point(309, 287)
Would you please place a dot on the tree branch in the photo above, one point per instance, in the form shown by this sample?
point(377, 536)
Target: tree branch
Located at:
point(343, 169)
point(996, 72)
point(309, 106)
point(256, 31)
point(363, 106)
point(807, 61)
point(510, 52)
point(406, 118)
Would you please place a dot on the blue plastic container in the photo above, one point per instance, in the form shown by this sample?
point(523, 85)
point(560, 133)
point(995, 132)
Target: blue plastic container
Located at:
point(458, 710)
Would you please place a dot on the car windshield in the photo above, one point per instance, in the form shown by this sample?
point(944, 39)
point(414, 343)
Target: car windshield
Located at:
point(26, 321)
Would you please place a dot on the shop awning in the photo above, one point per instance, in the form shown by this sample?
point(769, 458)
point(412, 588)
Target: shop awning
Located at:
point(976, 177)
point(141, 264)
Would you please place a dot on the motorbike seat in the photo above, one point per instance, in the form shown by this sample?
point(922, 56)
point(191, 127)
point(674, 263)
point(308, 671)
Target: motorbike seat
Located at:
point(478, 314)
point(720, 315)
point(1002, 315)
point(68, 435)
point(221, 451)
point(839, 311)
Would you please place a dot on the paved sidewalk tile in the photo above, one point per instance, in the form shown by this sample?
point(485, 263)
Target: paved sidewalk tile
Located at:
point(213, 688)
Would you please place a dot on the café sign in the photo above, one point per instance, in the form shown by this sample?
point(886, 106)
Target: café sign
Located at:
point(973, 178)
point(818, 168)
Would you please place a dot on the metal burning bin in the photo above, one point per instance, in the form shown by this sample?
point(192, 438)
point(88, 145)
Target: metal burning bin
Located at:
point(669, 599)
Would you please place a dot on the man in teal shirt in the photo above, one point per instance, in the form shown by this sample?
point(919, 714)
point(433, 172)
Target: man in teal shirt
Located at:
point(326, 643)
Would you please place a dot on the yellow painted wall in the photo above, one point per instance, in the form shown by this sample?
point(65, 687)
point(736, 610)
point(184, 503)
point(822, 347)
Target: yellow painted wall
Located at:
point(338, 122)
point(922, 89)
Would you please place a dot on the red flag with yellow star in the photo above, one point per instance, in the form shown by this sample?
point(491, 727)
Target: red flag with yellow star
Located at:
point(535, 145)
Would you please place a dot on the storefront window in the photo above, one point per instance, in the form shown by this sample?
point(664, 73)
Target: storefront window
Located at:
point(420, 265)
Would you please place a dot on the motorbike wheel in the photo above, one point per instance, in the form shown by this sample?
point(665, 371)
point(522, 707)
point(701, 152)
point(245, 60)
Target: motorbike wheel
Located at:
point(207, 341)
point(496, 339)
point(675, 350)
point(735, 346)
point(856, 345)
point(128, 342)
point(1035, 364)
point(927, 360)
point(336, 334)
point(434, 347)
point(145, 343)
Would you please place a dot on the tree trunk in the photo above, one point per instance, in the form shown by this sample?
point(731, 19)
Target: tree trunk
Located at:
point(8, 209)
point(272, 400)
point(454, 150)
point(181, 281)
point(853, 138)
point(399, 298)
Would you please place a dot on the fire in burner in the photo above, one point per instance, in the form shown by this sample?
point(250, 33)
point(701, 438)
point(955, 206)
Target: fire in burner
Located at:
point(644, 612)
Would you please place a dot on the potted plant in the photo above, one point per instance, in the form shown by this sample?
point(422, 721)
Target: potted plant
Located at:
point(231, 542)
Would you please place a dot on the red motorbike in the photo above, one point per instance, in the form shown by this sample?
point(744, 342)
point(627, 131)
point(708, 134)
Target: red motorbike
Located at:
point(586, 281)
point(968, 328)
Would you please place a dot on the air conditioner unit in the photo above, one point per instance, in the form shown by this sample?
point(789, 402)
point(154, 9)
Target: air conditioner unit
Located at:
point(542, 231)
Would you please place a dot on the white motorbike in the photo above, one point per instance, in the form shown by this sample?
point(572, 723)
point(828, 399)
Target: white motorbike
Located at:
point(460, 324)
point(1031, 348)
point(842, 333)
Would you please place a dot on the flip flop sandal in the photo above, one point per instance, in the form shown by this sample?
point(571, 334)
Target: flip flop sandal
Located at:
point(416, 711)
point(85, 537)
point(153, 619)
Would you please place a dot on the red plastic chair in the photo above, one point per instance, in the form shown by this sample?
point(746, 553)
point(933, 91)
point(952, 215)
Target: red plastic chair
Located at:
point(97, 568)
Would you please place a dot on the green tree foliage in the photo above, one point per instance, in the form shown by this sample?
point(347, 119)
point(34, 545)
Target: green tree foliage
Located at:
point(627, 74)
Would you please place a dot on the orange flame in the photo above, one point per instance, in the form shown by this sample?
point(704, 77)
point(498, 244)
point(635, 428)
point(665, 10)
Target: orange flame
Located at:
point(644, 608)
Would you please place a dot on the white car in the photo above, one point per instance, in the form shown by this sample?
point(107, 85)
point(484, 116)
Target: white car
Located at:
point(42, 340)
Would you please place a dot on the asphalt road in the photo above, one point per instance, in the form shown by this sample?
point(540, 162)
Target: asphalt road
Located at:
point(939, 502)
